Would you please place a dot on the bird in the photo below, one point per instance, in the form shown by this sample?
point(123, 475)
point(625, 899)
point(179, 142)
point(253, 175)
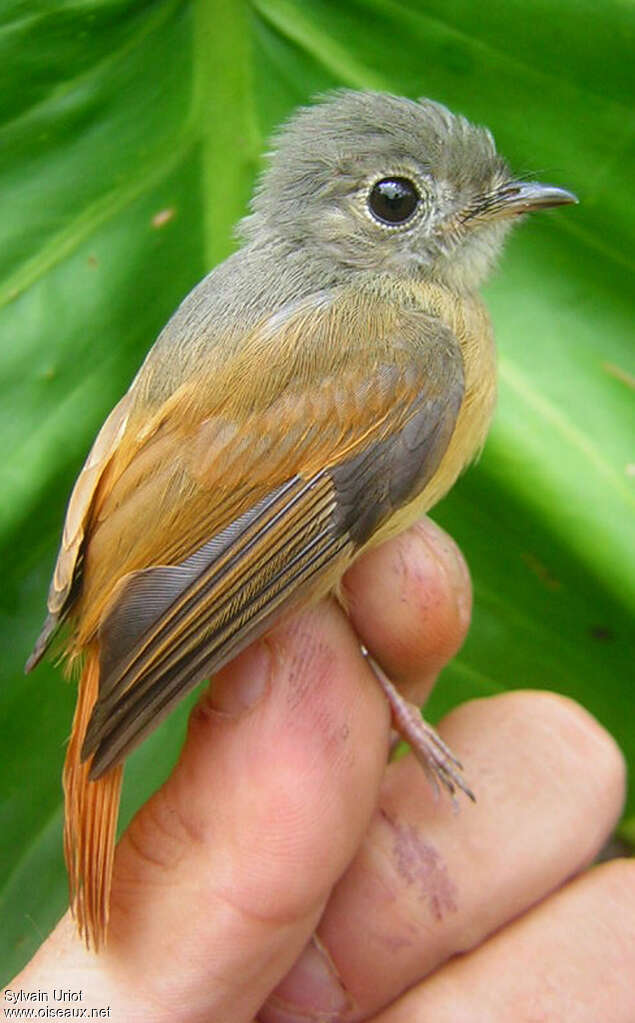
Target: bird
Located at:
point(315, 394)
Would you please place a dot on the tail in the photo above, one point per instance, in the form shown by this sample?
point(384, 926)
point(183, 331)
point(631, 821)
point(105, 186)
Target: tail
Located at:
point(91, 810)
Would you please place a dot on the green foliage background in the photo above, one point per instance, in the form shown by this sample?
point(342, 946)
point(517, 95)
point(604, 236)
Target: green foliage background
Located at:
point(114, 111)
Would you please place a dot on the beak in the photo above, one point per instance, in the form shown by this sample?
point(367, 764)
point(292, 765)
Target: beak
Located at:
point(521, 197)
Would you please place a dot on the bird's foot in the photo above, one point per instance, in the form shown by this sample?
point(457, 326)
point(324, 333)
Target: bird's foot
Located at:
point(436, 758)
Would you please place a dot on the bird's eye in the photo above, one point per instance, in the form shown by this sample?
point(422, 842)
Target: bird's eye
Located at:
point(393, 200)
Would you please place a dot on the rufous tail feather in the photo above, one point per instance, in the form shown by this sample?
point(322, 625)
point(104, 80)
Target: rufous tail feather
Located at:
point(91, 810)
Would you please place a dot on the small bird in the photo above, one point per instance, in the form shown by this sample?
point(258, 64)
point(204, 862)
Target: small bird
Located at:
point(315, 394)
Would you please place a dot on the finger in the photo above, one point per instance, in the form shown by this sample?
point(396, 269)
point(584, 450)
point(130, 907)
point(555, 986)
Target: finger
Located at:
point(427, 883)
point(571, 959)
point(306, 841)
point(410, 602)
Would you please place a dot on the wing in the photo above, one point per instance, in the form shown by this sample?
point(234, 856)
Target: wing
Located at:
point(224, 512)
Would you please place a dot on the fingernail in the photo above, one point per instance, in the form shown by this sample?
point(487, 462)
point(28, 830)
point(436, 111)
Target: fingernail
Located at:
point(243, 682)
point(311, 993)
point(449, 559)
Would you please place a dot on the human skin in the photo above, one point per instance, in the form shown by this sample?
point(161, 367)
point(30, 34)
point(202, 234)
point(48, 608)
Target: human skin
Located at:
point(281, 818)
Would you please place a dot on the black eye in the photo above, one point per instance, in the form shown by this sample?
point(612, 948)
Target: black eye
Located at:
point(393, 200)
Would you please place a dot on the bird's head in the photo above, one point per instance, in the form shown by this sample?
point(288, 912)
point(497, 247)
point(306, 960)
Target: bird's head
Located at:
point(373, 181)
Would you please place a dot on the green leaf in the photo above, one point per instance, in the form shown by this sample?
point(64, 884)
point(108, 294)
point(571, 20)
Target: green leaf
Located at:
point(130, 133)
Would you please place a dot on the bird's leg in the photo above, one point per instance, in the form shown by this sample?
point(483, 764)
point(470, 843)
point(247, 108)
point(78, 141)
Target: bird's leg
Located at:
point(438, 761)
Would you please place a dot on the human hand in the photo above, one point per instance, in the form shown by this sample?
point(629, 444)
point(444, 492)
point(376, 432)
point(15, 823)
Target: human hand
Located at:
point(281, 818)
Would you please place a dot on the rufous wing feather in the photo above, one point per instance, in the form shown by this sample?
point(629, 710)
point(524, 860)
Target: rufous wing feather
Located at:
point(91, 811)
point(79, 506)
